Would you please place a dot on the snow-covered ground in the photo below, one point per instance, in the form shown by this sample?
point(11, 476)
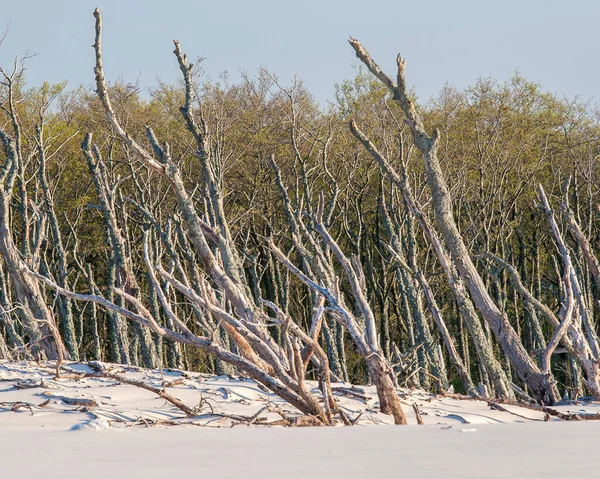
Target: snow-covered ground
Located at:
point(98, 427)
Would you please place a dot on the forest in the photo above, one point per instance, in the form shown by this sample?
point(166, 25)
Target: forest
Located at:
point(242, 228)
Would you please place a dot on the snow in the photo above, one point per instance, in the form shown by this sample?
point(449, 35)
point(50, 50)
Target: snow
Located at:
point(125, 433)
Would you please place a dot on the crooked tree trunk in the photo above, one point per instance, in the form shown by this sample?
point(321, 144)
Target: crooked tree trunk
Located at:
point(540, 385)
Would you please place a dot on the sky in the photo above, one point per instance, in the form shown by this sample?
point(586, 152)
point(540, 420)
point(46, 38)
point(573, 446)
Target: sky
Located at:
point(551, 42)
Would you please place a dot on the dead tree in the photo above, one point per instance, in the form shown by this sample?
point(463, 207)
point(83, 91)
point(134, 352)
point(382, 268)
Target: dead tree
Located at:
point(418, 276)
point(466, 308)
point(540, 385)
point(120, 263)
point(582, 241)
point(67, 327)
point(573, 318)
point(311, 262)
point(260, 357)
point(36, 318)
point(363, 331)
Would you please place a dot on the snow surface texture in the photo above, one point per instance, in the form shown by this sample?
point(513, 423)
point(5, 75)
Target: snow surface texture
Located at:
point(49, 429)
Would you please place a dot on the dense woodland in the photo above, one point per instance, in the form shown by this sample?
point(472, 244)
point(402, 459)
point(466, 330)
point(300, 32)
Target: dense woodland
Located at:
point(241, 228)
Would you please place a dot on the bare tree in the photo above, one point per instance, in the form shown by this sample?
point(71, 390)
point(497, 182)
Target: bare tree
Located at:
point(505, 334)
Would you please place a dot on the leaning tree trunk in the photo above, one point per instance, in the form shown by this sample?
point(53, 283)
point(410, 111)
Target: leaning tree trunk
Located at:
point(540, 385)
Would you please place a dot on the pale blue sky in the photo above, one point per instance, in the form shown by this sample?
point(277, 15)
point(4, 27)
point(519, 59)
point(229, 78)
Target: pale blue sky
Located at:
point(553, 42)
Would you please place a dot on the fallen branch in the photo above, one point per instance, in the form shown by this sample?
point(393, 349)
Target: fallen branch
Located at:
point(16, 405)
point(534, 407)
point(103, 373)
point(418, 414)
point(501, 408)
point(353, 393)
point(71, 401)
